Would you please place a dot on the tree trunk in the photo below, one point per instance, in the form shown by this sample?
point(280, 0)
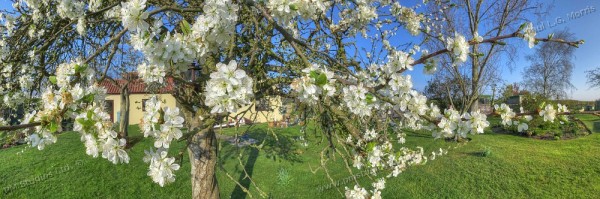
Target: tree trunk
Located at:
point(124, 117)
point(203, 158)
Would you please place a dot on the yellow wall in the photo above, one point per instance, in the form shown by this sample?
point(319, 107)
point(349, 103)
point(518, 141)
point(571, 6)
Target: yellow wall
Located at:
point(135, 106)
point(136, 114)
point(261, 116)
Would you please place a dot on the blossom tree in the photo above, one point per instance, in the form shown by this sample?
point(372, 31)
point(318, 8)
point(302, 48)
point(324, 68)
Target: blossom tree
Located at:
point(239, 51)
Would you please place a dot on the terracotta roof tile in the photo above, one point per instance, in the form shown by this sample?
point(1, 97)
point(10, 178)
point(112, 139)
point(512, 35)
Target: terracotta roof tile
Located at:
point(135, 87)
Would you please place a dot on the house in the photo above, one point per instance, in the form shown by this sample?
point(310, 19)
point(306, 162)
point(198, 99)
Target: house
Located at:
point(485, 104)
point(137, 98)
point(268, 109)
point(515, 101)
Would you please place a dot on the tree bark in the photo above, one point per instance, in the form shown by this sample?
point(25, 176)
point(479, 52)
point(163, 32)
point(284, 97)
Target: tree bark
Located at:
point(124, 117)
point(203, 158)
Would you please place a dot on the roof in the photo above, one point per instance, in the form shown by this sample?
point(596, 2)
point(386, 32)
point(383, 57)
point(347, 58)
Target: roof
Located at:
point(135, 86)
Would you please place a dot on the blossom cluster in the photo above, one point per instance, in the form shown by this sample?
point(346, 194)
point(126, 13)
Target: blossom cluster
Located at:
point(97, 134)
point(161, 166)
point(397, 61)
point(454, 124)
point(407, 16)
point(380, 157)
point(316, 82)
point(216, 27)
point(358, 100)
point(458, 47)
point(134, 15)
point(164, 125)
point(67, 97)
point(228, 89)
point(285, 10)
point(529, 34)
point(173, 52)
point(506, 113)
point(547, 112)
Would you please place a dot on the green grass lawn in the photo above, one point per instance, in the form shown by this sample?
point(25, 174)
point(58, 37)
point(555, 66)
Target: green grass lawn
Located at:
point(518, 167)
point(589, 120)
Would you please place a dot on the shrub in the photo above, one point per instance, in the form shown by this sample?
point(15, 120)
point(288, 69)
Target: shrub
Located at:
point(486, 152)
point(558, 134)
point(531, 102)
point(283, 177)
point(556, 137)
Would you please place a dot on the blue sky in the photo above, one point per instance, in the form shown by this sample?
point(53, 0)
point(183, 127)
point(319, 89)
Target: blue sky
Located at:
point(585, 27)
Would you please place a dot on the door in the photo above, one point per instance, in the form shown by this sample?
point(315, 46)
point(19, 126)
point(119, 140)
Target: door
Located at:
point(110, 109)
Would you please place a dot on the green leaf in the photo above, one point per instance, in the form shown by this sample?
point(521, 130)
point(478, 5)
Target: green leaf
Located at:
point(293, 7)
point(90, 113)
point(80, 68)
point(321, 80)
point(89, 98)
point(52, 79)
point(53, 127)
point(313, 74)
point(542, 105)
point(185, 27)
point(523, 25)
point(371, 146)
point(369, 98)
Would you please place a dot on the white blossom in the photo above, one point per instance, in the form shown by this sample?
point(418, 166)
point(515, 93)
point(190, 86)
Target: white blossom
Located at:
point(549, 113)
point(161, 166)
point(317, 81)
point(228, 89)
point(171, 129)
point(522, 127)
point(358, 101)
point(151, 117)
point(478, 122)
point(458, 47)
point(477, 38)
point(410, 19)
point(506, 114)
point(133, 15)
point(356, 193)
point(113, 150)
point(529, 35)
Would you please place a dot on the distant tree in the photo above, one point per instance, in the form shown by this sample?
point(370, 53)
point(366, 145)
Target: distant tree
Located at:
point(477, 20)
point(594, 77)
point(551, 68)
point(445, 91)
point(507, 91)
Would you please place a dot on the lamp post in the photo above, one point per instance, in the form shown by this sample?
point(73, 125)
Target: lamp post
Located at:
point(493, 96)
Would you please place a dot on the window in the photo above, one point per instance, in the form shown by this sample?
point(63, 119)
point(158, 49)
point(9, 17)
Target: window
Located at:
point(144, 105)
point(263, 105)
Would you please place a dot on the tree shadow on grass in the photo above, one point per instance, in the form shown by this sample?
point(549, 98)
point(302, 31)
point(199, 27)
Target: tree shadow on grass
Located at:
point(283, 147)
point(133, 140)
point(476, 153)
point(276, 146)
point(244, 180)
